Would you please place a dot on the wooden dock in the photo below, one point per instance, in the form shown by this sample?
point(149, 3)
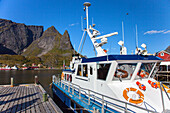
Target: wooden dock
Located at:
point(27, 98)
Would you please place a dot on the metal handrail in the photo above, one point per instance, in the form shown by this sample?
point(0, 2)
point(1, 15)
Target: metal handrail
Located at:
point(164, 90)
point(104, 96)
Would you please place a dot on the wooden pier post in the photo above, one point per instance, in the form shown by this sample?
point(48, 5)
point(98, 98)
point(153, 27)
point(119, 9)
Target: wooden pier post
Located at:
point(36, 80)
point(45, 96)
point(12, 82)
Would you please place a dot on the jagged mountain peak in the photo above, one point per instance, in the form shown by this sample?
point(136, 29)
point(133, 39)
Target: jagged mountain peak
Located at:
point(17, 36)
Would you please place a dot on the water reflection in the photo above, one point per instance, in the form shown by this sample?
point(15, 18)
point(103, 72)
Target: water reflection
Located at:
point(27, 76)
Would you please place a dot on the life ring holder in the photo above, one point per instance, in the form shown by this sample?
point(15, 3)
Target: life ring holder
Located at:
point(138, 101)
point(122, 76)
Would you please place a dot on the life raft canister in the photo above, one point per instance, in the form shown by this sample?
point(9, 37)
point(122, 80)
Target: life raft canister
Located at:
point(138, 101)
point(153, 84)
point(141, 86)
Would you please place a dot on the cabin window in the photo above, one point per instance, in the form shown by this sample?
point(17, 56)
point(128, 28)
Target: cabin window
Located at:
point(124, 71)
point(162, 54)
point(85, 74)
point(102, 71)
point(162, 68)
point(79, 73)
point(65, 75)
point(155, 69)
point(91, 70)
point(145, 70)
point(82, 70)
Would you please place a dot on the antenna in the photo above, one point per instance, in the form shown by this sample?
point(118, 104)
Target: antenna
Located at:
point(122, 31)
point(136, 37)
point(92, 20)
point(87, 4)
point(81, 23)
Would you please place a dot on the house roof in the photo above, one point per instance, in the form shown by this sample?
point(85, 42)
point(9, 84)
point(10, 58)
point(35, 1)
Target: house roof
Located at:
point(164, 52)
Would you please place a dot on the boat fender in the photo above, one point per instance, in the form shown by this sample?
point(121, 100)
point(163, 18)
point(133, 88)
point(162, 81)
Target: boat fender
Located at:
point(68, 77)
point(62, 76)
point(138, 101)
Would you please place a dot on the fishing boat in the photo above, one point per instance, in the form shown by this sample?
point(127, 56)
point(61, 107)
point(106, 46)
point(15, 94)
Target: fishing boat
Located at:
point(5, 68)
point(111, 83)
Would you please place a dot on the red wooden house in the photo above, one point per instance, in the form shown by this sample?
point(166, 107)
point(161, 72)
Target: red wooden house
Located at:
point(164, 55)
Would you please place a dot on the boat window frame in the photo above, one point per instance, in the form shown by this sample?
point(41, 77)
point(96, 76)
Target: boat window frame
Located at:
point(81, 74)
point(101, 71)
point(150, 73)
point(123, 79)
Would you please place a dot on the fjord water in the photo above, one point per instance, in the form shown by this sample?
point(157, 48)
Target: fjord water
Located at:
point(27, 76)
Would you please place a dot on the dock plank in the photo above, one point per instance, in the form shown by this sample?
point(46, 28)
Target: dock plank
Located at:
point(25, 99)
point(44, 103)
point(9, 94)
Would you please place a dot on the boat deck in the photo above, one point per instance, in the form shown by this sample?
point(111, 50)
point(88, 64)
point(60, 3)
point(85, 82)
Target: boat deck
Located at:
point(27, 98)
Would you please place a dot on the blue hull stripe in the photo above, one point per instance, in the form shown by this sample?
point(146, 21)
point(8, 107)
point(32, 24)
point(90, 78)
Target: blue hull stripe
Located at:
point(67, 97)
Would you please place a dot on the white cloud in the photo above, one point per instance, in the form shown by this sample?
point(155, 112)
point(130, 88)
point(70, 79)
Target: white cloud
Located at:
point(168, 31)
point(156, 32)
point(73, 24)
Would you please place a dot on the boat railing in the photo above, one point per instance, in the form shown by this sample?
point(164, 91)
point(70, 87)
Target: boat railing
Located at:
point(99, 101)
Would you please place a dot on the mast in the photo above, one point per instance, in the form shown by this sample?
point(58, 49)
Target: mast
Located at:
point(136, 37)
point(123, 31)
point(93, 33)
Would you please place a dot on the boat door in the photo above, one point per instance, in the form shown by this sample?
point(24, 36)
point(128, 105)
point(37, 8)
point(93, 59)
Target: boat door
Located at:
point(92, 74)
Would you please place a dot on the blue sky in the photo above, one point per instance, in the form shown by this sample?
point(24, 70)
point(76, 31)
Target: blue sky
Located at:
point(151, 16)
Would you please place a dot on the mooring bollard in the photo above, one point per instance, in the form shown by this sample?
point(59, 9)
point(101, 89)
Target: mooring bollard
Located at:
point(36, 80)
point(12, 82)
point(44, 96)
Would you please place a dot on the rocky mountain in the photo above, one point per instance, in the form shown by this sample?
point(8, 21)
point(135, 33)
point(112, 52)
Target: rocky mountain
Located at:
point(52, 47)
point(50, 40)
point(15, 37)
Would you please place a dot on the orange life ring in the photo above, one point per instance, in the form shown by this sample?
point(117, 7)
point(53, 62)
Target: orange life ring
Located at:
point(122, 76)
point(138, 101)
point(62, 76)
point(166, 87)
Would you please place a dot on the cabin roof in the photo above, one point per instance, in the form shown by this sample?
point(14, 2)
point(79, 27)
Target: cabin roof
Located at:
point(119, 57)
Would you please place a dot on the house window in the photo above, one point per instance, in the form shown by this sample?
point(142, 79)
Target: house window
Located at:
point(162, 54)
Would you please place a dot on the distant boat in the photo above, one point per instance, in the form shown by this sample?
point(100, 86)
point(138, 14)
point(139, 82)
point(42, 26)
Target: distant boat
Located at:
point(5, 68)
point(24, 68)
point(14, 68)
